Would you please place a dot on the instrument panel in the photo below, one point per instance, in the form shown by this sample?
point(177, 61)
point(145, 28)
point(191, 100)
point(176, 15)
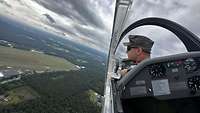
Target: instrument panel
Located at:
point(171, 79)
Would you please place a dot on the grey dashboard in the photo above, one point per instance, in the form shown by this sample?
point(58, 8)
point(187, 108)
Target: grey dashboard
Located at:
point(169, 77)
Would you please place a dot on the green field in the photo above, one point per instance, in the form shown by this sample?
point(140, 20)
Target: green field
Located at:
point(21, 59)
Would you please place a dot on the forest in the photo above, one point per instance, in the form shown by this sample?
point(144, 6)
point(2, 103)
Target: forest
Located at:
point(59, 92)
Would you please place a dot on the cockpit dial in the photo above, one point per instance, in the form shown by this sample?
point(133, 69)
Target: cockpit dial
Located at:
point(157, 71)
point(190, 65)
point(194, 83)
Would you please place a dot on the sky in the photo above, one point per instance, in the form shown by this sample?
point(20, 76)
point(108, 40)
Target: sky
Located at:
point(89, 22)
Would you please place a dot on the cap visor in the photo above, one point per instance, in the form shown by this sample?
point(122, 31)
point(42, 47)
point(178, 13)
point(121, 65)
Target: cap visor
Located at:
point(126, 43)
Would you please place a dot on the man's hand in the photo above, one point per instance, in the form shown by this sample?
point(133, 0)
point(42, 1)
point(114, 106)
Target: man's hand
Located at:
point(123, 72)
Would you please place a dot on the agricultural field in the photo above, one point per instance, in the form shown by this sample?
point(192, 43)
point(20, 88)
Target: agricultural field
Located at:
point(32, 60)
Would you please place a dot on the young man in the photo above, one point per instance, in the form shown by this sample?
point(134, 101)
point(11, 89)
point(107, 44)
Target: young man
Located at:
point(138, 49)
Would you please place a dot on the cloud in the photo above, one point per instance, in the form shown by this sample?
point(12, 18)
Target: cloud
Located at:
point(80, 10)
point(89, 19)
point(86, 21)
point(49, 18)
point(97, 36)
point(5, 3)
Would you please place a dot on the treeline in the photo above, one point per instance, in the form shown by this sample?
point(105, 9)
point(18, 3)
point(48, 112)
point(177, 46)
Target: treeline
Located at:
point(58, 104)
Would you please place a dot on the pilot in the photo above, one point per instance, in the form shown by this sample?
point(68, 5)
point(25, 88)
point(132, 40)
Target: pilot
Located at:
point(138, 49)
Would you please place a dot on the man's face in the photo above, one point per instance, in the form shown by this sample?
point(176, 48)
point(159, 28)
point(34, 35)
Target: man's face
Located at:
point(133, 53)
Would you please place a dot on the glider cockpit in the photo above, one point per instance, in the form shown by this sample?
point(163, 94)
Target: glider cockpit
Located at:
point(169, 84)
point(165, 84)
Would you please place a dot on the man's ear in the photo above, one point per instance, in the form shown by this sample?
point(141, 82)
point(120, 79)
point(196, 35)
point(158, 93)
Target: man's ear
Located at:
point(139, 51)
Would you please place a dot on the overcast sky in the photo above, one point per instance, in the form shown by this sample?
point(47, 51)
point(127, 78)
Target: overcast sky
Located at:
point(90, 21)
